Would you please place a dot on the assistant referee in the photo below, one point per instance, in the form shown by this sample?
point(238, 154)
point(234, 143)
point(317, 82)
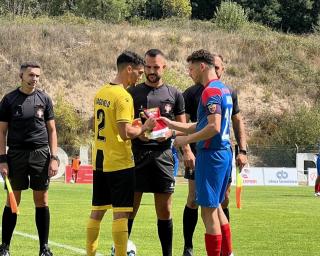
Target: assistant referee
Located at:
point(27, 127)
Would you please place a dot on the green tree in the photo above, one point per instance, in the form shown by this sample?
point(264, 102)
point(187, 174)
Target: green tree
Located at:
point(296, 15)
point(230, 16)
point(264, 11)
point(154, 9)
point(20, 7)
point(57, 7)
point(316, 15)
point(203, 9)
point(68, 122)
point(176, 8)
point(108, 10)
point(137, 8)
point(301, 127)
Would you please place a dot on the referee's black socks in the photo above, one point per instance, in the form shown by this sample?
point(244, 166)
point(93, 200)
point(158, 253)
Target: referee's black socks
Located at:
point(165, 232)
point(9, 221)
point(43, 224)
point(130, 224)
point(190, 219)
point(226, 212)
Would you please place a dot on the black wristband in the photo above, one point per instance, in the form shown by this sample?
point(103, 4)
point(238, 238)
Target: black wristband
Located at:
point(3, 158)
point(243, 152)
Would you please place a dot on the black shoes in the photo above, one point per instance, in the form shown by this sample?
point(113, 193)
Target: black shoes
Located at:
point(187, 251)
point(4, 250)
point(45, 251)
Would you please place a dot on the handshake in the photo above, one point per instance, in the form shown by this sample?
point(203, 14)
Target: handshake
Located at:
point(155, 131)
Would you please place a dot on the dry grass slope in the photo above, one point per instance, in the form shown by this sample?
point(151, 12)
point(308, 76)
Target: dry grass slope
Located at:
point(273, 72)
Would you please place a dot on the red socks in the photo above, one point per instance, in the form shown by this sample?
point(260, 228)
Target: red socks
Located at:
point(213, 244)
point(226, 247)
point(317, 188)
point(216, 244)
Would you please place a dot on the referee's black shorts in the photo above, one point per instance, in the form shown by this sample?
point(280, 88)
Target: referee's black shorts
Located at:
point(154, 170)
point(29, 168)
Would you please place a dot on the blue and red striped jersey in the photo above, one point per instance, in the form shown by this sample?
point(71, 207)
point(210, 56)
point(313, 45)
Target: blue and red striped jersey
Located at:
point(215, 99)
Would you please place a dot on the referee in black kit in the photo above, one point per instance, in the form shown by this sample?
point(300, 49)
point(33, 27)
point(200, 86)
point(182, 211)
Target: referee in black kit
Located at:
point(27, 127)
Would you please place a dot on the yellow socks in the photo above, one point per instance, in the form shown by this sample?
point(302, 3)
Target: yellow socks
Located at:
point(93, 228)
point(120, 236)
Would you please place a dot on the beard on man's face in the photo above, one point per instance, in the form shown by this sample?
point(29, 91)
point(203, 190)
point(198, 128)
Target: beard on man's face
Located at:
point(153, 78)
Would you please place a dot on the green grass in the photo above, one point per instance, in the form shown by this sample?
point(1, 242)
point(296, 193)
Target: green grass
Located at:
point(273, 221)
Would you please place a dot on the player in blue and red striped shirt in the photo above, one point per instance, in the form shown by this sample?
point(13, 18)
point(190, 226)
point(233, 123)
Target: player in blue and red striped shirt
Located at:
point(214, 157)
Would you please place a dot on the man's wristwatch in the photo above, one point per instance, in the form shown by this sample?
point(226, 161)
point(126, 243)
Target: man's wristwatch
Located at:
point(55, 157)
point(3, 158)
point(243, 152)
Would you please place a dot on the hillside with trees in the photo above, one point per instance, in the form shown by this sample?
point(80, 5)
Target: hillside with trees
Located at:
point(277, 74)
point(297, 16)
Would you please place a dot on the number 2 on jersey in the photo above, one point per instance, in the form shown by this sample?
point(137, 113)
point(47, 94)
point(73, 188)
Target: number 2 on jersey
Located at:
point(101, 117)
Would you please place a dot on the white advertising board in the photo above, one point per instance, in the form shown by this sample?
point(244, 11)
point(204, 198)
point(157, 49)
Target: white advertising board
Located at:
point(281, 176)
point(252, 176)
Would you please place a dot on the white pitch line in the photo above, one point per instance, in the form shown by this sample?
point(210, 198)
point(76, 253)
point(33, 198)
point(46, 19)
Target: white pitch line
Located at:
point(64, 246)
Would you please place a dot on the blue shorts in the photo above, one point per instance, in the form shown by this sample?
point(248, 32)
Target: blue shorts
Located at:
point(318, 165)
point(212, 173)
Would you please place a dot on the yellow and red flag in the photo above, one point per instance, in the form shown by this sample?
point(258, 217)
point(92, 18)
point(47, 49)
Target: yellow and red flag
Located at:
point(12, 199)
point(238, 187)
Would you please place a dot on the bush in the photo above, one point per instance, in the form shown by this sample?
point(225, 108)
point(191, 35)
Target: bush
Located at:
point(107, 10)
point(176, 8)
point(301, 127)
point(316, 26)
point(230, 16)
point(153, 9)
point(68, 122)
point(137, 8)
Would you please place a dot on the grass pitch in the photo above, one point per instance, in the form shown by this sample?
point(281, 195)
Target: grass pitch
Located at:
point(273, 221)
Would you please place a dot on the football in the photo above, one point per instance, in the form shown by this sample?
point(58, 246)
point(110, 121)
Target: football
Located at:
point(131, 249)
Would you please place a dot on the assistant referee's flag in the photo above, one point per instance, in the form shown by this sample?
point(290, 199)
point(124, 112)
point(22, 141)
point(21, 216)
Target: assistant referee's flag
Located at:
point(238, 181)
point(12, 199)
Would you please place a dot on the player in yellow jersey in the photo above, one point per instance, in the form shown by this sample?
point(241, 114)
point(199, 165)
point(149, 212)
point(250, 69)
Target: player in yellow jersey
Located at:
point(113, 176)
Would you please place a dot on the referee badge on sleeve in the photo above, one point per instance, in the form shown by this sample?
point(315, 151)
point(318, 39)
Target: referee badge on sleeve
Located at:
point(212, 108)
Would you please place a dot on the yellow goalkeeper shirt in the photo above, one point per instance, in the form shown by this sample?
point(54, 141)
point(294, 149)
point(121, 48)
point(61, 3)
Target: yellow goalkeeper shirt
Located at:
point(112, 104)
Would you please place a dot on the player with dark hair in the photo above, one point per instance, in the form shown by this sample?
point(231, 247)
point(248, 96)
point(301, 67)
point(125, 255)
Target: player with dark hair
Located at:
point(27, 127)
point(192, 97)
point(113, 176)
point(214, 156)
point(153, 157)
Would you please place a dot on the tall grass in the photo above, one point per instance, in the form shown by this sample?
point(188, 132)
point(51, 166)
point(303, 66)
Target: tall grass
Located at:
point(271, 70)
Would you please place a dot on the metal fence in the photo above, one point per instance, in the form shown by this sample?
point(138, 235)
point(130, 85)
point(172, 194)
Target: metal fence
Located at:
point(258, 155)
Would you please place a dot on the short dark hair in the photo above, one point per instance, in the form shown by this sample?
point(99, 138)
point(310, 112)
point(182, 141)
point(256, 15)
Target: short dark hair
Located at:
point(201, 56)
point(129, 58)
point(154, 52)
point(29, 64)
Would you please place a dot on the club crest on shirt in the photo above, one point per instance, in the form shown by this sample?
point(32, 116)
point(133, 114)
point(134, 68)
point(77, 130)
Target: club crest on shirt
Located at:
point(39, 112)
point(167, 108)
point(212, 108)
